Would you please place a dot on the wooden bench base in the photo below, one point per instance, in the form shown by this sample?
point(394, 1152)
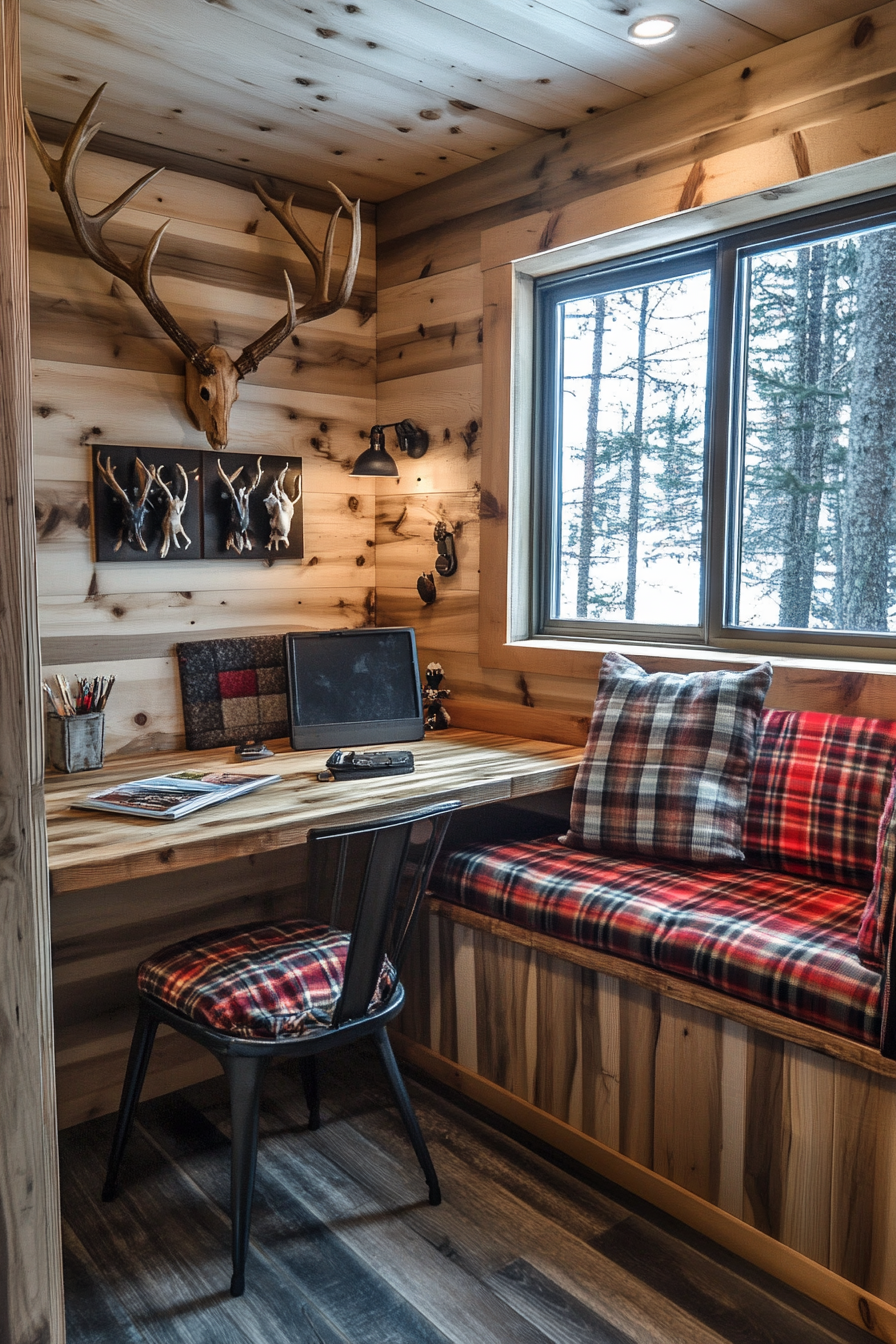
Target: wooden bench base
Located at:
point(782, 1152)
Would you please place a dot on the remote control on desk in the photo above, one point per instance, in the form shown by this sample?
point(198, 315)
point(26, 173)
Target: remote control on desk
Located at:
point(369, 764)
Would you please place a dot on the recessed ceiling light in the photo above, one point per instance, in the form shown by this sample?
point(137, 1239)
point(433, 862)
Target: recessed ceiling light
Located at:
point(657, 28)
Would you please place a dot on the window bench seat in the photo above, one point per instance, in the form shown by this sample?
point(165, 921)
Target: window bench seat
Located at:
point(782, 942)
point(707, 1037)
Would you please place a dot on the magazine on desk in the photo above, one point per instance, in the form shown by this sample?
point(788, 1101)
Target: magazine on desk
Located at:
point(170, 797)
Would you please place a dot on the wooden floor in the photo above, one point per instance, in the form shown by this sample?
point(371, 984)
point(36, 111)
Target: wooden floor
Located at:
point(346, 1250)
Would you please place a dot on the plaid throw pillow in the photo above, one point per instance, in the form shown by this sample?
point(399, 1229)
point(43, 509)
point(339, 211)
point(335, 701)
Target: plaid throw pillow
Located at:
point(667, 763)
point(819, 785)
point(876, 928)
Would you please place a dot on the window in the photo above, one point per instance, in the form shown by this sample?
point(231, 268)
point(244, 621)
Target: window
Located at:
point(715, 439)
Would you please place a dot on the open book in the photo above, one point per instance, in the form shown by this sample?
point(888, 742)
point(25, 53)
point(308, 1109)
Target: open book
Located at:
point(169, 797)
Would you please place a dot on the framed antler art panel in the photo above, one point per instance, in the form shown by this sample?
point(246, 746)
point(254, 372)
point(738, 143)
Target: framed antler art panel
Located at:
point(253, 506)
point(158, 504)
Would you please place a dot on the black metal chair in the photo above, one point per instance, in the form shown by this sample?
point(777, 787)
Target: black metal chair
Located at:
point(380, 869)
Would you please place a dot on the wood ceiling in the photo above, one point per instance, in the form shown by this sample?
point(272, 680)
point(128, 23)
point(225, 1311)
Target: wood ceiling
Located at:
point(382, 95)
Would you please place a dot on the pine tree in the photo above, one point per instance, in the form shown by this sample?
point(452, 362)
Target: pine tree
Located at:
point(871, 453)
point(586, 533)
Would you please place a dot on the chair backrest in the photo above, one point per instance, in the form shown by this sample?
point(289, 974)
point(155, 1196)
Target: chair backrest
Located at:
point(384, 882)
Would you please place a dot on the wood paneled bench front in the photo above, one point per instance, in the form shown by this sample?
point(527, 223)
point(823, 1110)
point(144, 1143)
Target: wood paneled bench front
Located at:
point(709, 1039)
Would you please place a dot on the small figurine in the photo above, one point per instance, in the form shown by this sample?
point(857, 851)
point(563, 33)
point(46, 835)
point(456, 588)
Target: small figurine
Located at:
point(281, 509)
point(435, 715)
point(133, 511)
point(172, 523)
point(238, 538)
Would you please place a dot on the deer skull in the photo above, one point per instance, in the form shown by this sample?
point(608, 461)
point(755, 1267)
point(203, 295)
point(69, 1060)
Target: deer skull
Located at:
point(210, 396)
point(211, 374)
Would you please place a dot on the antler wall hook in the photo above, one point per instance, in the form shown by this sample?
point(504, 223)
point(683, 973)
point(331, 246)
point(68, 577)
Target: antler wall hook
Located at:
point(211, 374)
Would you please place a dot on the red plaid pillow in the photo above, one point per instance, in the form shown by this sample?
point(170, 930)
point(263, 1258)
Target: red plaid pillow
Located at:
point(876, 927)
point(259, 980)
point(667, 763)
point(818, 789)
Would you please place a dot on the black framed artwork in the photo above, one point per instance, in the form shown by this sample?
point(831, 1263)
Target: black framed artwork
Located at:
point(170, 505)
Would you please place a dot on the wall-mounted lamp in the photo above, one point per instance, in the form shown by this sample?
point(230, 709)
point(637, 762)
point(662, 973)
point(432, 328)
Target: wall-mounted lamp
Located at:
point(375, 461)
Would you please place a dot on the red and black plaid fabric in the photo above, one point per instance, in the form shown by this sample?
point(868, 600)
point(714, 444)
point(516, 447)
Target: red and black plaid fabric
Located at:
point(667, 763)
point(876, 928)
point(819, 785)
point(259, 980)
point(774, 939)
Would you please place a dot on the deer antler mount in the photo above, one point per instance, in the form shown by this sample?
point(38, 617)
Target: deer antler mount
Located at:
point(133, 507)
point(212, 376)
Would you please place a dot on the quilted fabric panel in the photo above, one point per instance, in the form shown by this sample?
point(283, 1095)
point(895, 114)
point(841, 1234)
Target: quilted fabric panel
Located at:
point(819, 785)
point(667, 763)
point(233, 690)
point(261, 981)
point(773, 939)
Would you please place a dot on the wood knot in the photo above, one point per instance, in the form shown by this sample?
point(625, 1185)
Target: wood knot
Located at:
point(864, 30)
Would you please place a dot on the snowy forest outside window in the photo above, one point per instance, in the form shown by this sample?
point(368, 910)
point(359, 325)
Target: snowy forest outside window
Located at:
point(718, 438)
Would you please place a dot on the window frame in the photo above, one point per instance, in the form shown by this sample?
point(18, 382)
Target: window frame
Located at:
point(725, 249)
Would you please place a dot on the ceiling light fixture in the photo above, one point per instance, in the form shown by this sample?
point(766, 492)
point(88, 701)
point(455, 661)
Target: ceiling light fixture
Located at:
point(657, 28)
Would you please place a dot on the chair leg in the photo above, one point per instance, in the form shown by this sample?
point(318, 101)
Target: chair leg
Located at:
point(138, 1060)
point(245, 1075)
point(311, 1088)
point(407, 1113)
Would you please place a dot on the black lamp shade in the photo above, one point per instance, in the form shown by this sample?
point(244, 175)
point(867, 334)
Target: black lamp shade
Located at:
point(375, 462)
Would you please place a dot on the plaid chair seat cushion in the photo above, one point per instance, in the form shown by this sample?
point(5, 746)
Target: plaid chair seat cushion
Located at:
point(262, 981)
point(667, 763)
point(774, 939)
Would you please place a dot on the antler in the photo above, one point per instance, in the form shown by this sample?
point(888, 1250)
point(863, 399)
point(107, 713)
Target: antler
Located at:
point(228, 480)
point(211, 375)
point(320, 304)
point(108, 474)
point(258, 475)
point(156, 473)
point(88, 229)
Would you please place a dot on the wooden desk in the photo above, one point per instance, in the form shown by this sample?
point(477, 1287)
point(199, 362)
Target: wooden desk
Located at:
point(88, 849)
point(122, 886)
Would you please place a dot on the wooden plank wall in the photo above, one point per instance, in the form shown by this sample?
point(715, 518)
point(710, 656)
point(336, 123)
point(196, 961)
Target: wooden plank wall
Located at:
point(31, 1299)
point(812, 104)
point(105, 373)
point(794, 1143)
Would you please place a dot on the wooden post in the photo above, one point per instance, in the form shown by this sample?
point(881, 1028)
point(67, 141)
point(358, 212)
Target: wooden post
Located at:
point(30, 1243)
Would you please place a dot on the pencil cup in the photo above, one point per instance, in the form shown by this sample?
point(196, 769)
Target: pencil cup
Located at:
point(75, 743)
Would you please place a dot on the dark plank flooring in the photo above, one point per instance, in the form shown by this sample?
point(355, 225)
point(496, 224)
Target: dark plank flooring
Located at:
point(524, 1249)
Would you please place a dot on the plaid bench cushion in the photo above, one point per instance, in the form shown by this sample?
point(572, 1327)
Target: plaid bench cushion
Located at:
point(774, 939)
point(818, 789)
point(259, 980)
